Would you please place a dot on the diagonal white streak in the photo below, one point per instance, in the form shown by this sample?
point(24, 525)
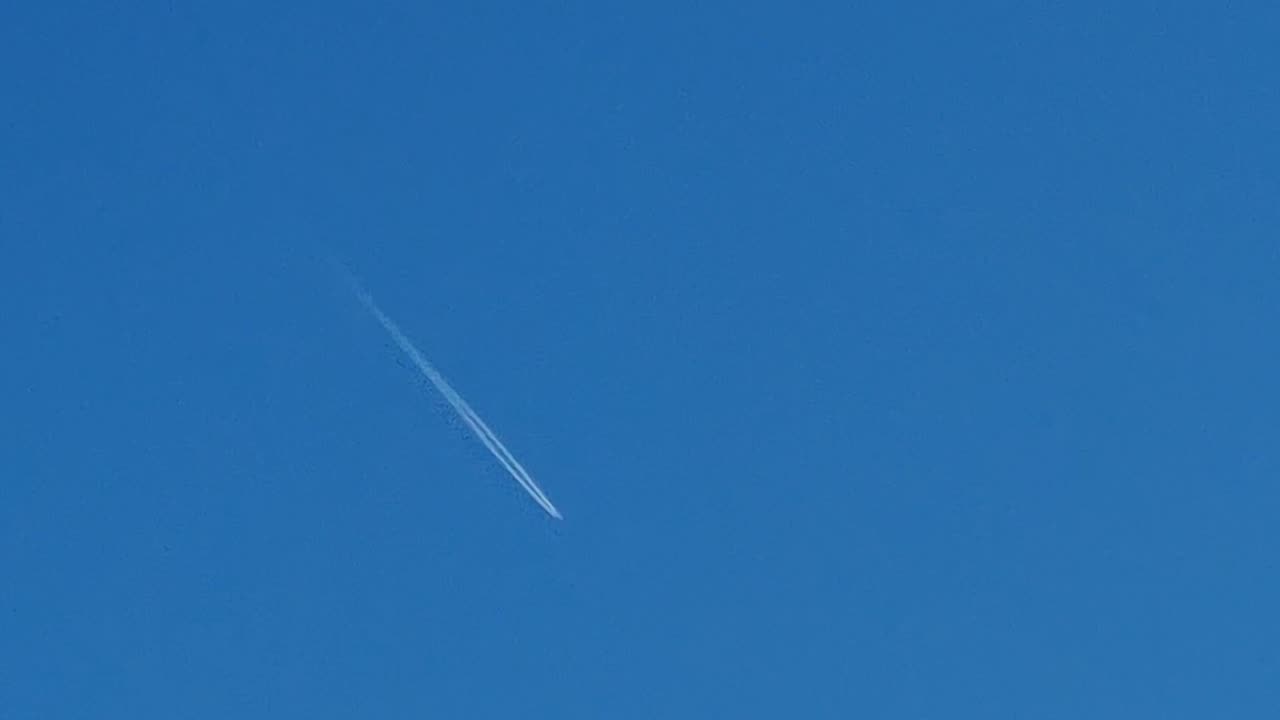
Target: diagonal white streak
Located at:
point(468, 415)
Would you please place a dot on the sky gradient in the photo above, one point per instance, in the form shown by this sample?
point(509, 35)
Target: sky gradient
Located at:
point(886, 360)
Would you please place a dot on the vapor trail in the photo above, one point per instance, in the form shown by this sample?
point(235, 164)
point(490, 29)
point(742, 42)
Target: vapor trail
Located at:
point(468, 415)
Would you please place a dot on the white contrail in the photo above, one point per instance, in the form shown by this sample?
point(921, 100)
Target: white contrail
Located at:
point(469, 416)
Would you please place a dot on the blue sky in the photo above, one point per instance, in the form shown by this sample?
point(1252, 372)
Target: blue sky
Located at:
point(886, 360)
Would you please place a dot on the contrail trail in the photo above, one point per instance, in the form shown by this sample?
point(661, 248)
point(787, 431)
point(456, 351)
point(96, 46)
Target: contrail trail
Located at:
point(469, 416)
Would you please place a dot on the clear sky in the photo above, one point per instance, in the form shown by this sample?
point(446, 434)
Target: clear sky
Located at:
point(889, 360)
